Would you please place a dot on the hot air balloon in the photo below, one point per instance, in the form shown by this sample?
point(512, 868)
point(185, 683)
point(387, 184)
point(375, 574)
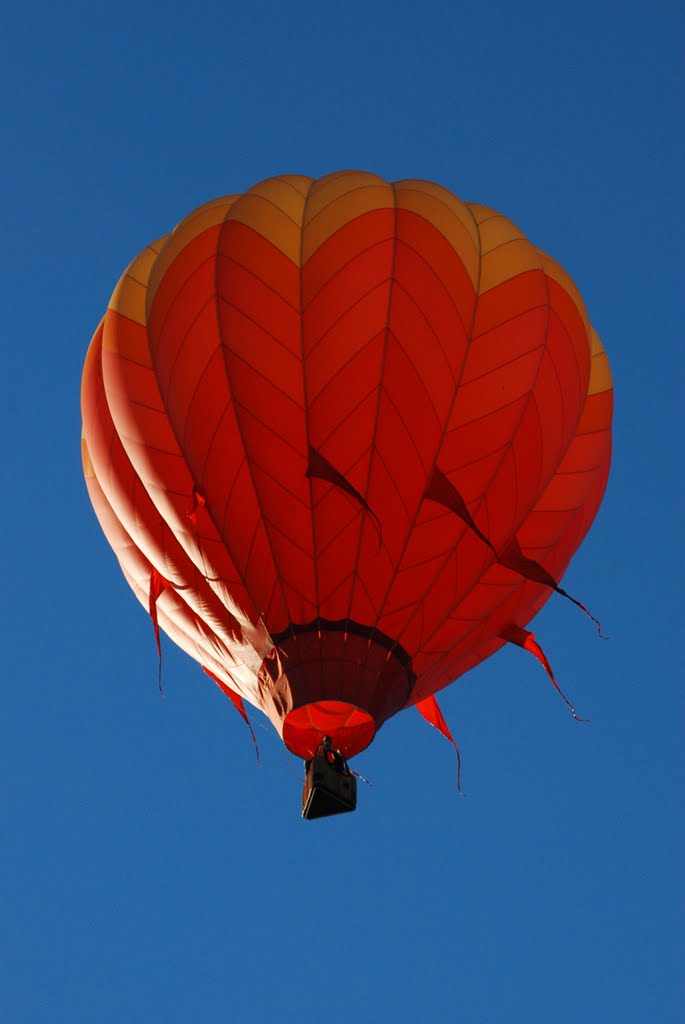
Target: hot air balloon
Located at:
point(344, 437)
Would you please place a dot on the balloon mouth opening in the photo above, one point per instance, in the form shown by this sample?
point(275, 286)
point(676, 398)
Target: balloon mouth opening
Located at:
point(349, 729)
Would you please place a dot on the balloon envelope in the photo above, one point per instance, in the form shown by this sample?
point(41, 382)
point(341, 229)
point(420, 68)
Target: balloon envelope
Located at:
point(344, 437)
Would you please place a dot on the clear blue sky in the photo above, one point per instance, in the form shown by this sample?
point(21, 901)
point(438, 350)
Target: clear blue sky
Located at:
point(149, 870)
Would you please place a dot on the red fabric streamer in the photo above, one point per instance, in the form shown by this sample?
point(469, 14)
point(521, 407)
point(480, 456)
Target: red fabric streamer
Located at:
point(157, 587)
point(525, 639)
point(196, 502)
point(514, 559)
point(443, 491)
point(237, 701)
point(318, 466)
point(428, 707)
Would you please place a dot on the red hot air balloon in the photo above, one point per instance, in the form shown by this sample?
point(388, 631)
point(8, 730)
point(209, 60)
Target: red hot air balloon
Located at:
point(344, 437)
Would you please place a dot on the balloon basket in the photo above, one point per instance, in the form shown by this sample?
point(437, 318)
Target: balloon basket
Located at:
point(330, 787)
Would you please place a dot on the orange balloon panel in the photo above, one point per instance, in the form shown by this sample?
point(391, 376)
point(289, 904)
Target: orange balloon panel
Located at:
point(344, 436)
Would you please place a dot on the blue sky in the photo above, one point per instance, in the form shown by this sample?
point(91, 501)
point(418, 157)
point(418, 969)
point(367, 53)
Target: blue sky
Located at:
point(149, 869)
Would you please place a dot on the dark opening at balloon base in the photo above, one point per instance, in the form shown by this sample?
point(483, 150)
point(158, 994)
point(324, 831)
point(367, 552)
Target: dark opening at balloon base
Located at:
point(330, 787)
